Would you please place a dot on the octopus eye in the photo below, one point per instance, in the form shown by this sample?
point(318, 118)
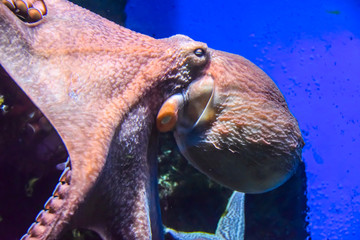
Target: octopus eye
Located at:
point(199, 52)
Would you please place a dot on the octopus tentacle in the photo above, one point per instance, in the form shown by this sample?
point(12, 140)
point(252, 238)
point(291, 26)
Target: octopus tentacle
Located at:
point(46, 217)
point(87, 115)
point(231, 225)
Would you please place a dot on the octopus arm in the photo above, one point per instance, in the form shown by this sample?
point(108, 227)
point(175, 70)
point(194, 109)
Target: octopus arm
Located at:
point(231, 225)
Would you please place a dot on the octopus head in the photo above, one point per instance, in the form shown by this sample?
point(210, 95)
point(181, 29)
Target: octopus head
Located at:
point(232, 123)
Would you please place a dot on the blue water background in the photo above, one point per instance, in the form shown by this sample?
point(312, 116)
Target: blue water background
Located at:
point(311, 49)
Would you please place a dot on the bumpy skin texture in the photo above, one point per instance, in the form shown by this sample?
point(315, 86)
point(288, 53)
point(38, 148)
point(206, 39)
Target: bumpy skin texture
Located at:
point(85, 73)
point(101, 85)
point(254, 144)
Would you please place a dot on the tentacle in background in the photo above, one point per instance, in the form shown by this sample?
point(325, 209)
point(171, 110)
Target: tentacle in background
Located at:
point(231, 225)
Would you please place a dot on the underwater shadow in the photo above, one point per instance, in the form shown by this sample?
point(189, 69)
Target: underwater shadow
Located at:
point(191, 202)
point(280, 213)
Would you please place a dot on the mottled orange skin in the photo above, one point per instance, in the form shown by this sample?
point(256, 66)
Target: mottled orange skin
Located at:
point(98, 82)
point(85, 73)
point(254, 144)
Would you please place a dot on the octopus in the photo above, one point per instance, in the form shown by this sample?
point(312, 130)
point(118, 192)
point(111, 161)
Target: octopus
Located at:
point(109, 91)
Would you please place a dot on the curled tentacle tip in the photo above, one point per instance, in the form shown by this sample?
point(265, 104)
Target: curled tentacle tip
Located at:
point(168, 114)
